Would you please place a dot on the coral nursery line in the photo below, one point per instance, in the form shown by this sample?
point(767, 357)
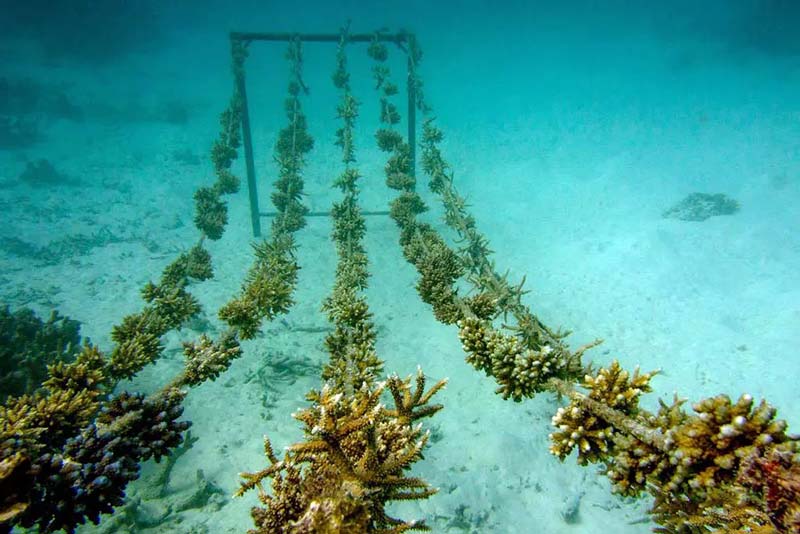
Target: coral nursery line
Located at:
point(71, 442)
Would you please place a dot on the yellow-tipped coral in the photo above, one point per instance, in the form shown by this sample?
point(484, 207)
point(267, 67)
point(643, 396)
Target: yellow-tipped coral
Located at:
point(350, 466)
point(587, 431)
point(267, 292)
point(730, 466)
point(207, 359)
point(520, 372)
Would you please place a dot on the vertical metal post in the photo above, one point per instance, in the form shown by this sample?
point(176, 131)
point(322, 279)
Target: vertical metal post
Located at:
point(247, 141)
point(412, 103)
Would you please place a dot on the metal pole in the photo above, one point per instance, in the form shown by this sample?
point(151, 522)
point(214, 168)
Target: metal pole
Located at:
point(319, 37)
point(412, 106)
point(326, 213)
point(255, 219)
point(246, 37)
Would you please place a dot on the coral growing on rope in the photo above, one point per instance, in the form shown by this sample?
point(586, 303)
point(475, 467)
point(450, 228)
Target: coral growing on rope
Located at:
point(731, 467)
point(267, 291)
point(353, 459)
point(70, 445)
point(211, 211)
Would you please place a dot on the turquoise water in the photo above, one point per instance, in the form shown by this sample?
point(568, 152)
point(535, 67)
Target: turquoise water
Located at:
point(571, 128)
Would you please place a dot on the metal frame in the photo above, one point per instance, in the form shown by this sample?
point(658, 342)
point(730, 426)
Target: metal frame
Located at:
point(402, 39)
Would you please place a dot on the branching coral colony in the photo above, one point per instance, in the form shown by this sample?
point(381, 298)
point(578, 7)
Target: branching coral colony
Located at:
point(68, 450)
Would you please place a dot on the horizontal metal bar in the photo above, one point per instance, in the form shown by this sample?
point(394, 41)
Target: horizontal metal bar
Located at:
point(320, 37)
point(323, 213)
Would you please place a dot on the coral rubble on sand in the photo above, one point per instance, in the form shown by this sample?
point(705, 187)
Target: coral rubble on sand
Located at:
point(701, 206)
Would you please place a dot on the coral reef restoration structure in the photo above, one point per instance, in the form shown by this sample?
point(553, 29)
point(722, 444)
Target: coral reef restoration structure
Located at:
point(68, 449)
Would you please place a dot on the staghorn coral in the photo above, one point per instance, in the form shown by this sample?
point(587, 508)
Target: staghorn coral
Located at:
point(389, 113)
point(433, 163)
point(723, 511)
point(475, 336)
point(267, 291)
point(415, 57)
point(483, 305)
point(87, 372)
point(377, 50)
point(380, 73)
point(69, 400)
point(347, 111)
point(223, 151)
point(173, 305)
point(194, 264)
point(270, 282)
point(389, 140)
point(33, 423)
point(401, 181)
point(731, 467)
point(606, 425)
point(399, 169)
point(348, 224)
point(133, 354)
point(68, 450)
point(521, 372)
point(475, 253)
point(410, 406)
point(406, 207)
point(353, 362)
point(144, 322)
point(399, 174)
point(169, 298)
point(293, 143)
point(439, 268)
point(347, 180)
point(170, 306)
point(206, 359)
point(350, 466)
point(353, 271)
point(351, 345)
point(211, 211)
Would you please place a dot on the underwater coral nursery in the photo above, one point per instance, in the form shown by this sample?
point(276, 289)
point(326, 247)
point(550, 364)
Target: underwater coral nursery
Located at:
point(69, 448)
